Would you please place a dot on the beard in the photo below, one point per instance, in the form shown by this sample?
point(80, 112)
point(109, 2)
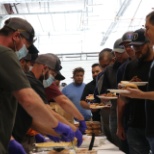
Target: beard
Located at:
point(145, 56)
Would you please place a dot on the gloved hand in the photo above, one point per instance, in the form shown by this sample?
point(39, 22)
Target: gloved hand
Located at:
point(78, 135)
point(54, 138)
point(65, 131)
point(15, 148)
point(39, 138)
point(82, 126)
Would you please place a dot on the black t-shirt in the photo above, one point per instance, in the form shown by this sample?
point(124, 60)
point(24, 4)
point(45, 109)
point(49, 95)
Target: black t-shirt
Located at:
point(12, 78)
point(137, 106)
point(150, 105)
point(23, 119)
point(110, 82)
point(89, 89)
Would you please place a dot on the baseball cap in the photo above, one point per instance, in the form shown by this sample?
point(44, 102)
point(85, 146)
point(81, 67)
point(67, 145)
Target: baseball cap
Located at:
point(138, 37)
point(21, 25)
point(127, 37)
point(32, 49)
point(50, 60)
point(118, 48)
point(31, 57)
point(59, 76)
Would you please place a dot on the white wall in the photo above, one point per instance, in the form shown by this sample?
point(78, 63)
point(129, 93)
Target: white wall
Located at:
point(68, 67)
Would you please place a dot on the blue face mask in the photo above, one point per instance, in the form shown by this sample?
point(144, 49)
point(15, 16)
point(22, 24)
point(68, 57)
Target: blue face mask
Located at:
point(22, 52)
point(49, 81)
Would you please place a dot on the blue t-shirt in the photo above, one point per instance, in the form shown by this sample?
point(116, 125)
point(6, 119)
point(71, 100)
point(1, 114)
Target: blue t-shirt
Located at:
point(74, 93)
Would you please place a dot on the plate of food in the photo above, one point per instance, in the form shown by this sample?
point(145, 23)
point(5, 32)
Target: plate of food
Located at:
point(90, 97)
point(56, 144)
point(140, 83)
point(99, 105)
point(107, 96)
point(118, 91)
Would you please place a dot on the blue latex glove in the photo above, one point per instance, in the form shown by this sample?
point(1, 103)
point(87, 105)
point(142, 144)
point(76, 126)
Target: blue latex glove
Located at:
point(54, 138)
point(78, 135)
point(15, 148)
point(65, 131)
point(82, 126)
point(39, 138)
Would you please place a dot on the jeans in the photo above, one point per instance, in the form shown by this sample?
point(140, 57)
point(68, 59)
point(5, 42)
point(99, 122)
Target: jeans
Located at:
point(138, 144)
point(151, 142)
point(123, 145)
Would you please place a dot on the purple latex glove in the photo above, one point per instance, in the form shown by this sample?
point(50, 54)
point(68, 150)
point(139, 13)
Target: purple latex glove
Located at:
point(54, 138)
point(82, 126)
point(39, 138)
point(65, 131)
point(15, 148)
point(78, 135)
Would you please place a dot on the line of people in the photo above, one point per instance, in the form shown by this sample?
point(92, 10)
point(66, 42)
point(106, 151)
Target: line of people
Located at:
point(129, 122)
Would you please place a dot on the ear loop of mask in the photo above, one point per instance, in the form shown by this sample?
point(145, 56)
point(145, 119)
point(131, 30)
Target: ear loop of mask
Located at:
point(15, 47)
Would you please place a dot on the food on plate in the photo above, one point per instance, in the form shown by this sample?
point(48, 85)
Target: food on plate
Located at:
point(55, 144)
point(127, 84)
point(90, 97)
point(135, 79)
point(96, 104)
point(109, 95)
point(65, 151)
point(89, 131)
point(93, 127)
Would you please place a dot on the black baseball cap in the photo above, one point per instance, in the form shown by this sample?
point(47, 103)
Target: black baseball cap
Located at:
point(138, 37)
point(127, 37)
point(59, 76)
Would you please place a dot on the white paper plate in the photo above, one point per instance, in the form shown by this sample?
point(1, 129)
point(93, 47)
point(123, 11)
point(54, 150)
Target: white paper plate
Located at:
point(118, 91)
point(100, 107)
point(140, 83)
point(106, 97)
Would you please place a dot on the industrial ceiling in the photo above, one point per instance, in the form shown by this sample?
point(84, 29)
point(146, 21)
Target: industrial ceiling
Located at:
point(78, 26)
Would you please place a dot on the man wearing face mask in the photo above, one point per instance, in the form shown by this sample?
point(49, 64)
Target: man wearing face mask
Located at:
point(15, 87)
point(44, 70)
point(27, 62)
point(52, 92)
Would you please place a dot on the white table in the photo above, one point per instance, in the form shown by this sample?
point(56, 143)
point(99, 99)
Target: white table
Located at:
point(105, 147)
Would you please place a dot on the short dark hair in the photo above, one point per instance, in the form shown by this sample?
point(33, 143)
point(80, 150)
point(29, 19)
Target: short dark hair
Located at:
point(78, 69)
point(104, 50)
point(95, 64)
point(151, 17)
point(6, 31)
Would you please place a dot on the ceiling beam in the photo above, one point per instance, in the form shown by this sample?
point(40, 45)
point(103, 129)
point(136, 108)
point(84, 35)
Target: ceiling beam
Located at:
point(40, 13)
point(34, 1)
point(113, 24)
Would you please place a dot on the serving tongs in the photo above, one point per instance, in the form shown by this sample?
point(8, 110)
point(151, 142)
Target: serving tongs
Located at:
point(92, 142)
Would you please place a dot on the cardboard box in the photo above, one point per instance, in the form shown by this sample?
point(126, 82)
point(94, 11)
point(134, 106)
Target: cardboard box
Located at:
point(60, 111)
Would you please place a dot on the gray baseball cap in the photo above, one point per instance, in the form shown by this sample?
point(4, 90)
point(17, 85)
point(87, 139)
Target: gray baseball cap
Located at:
point(50, 60)
point(118, 48)
point(21, 25)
